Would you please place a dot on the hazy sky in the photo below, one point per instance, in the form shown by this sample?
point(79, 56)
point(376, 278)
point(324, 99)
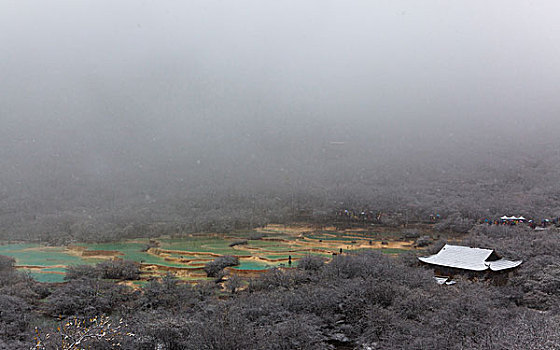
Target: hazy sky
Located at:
point(134, 80)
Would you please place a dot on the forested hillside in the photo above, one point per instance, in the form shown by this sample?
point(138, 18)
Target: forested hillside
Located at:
point(66, 204)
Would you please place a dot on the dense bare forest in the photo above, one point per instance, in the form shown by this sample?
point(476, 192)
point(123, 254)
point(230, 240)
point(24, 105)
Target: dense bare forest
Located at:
point(56, 200)
point(364, 300)
point(355, 300)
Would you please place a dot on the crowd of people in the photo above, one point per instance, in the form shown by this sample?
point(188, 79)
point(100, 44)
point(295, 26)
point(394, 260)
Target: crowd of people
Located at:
point(366, 215)
point(373, 216)
point(517, 220)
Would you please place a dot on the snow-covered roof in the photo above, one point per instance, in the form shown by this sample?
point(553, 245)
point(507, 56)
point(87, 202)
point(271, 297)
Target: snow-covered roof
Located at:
point(513, 217)
point(503, 264)
point(467, 258)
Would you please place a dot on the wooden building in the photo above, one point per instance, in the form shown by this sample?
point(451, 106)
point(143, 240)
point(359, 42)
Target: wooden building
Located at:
point(479, 263)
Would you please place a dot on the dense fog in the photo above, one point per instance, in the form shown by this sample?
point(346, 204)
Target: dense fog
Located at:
point(257, 174)
point(106, 106)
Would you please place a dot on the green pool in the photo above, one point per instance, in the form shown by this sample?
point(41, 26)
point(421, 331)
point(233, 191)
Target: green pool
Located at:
point(47, 264)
